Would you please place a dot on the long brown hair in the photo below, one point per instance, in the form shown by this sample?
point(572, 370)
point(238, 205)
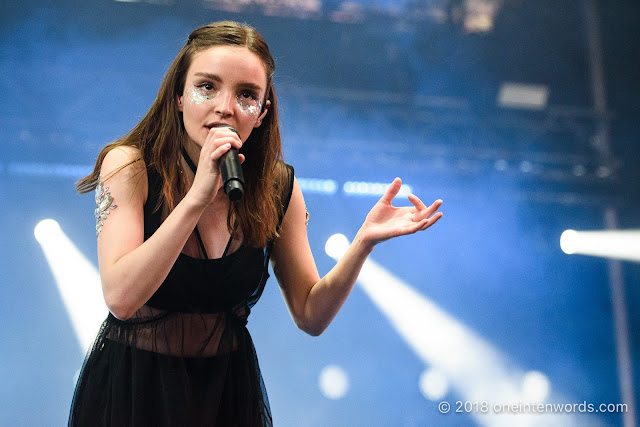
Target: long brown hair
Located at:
point(160, 133)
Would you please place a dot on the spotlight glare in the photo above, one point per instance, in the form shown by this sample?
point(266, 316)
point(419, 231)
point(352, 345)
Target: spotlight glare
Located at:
point(569, 241)
point(535, 386)
point(501, 165)
point(46, 229)
point(333, 382)
point(322, 186)
point(404, 191)
point(77, 280)
point(336, 246)
point(433, 384)
point(360, 188)
point(616, 244)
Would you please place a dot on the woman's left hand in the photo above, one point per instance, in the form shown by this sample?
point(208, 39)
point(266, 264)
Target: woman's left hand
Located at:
point(385, 221)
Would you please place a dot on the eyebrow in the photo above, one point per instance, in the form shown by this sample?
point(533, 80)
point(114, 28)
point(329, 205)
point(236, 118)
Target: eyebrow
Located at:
point(216, 78)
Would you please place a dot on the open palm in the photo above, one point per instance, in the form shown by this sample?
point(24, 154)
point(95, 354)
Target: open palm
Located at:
point(385, 221)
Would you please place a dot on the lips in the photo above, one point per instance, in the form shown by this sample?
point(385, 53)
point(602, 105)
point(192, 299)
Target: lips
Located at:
point(218, 125)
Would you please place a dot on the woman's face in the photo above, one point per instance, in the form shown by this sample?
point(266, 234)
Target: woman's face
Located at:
point(224, 84)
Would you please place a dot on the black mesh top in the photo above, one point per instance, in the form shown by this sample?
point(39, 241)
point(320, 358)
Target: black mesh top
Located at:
point(186, 357)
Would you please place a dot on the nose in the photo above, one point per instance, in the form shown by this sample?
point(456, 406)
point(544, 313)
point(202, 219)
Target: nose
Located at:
point(224, 107)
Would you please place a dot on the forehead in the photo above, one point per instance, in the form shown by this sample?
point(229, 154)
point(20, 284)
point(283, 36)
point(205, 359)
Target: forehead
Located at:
point(235, 64)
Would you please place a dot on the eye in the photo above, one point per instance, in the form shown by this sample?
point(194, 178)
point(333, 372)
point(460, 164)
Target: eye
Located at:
point(206, 86)
point(248, 94)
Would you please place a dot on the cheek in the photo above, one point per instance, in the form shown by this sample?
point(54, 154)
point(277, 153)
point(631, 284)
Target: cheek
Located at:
point(250, 107)
point(199, 96)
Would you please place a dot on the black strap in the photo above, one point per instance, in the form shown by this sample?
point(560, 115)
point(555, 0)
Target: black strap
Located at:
point(187, 159)
point(287, 198)
point(228, 246)
point(194, 168)
point(201, 243)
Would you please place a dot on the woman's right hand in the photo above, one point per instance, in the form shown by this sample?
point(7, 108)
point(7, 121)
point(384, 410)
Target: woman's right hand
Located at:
point(207, 181)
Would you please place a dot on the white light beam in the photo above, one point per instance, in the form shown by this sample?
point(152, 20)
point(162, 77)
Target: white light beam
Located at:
point(616, 244)
point(77, 280)
point(476, 370)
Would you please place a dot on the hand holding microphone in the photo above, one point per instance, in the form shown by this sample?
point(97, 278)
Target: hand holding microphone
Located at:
point(231, 171)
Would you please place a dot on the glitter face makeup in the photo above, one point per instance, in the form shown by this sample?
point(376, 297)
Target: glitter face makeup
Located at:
point(251, 106)
point(248, 103)
point(201, 93)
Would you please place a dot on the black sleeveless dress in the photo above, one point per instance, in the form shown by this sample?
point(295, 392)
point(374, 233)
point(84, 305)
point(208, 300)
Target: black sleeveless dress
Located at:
point(186, 357)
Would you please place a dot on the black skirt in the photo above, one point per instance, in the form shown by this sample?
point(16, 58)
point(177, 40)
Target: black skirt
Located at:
point(172, 369)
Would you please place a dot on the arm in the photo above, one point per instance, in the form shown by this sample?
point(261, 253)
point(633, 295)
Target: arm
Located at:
point(131, 270)
point(313, 301)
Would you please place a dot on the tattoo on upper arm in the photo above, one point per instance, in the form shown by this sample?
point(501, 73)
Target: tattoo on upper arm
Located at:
point(104, 202)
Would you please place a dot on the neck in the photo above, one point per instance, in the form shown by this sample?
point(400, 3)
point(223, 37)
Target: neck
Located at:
point(189, 161)
point(192, 149)
point(188, 156)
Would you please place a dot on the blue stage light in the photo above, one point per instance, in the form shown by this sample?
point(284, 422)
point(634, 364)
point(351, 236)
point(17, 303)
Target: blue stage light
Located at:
point(48, 169)
point(363, 188)
point(322, 186)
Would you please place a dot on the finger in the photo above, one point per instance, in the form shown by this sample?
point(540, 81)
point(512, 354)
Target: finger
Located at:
point(415, 226)
point(241, 157)
point(415, 200)
point(225, 139)
point(427, 212)
point(229, 131)
point(219, 151)
point(434, 207)
point(225, 133)
point(223, 127)
point(431, 221)
point(392, 191)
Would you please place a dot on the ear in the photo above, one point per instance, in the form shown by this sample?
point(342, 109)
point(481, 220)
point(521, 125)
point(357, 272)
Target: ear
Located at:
point(262, 115)
point(179, 102)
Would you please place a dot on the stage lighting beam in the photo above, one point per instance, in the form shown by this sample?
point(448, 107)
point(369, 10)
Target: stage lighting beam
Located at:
point(77, 280)
point(457, 358)
point(615, 244)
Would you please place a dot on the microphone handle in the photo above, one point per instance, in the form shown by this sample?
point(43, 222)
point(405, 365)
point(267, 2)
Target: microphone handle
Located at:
point(232, 177)
point(231, 171)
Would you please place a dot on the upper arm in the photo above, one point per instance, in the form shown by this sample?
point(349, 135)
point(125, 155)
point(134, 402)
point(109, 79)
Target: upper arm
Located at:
point(292, 260)
point(123, 229)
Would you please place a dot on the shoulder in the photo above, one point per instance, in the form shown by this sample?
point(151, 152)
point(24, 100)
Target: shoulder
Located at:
point(121, 158)
point(284, 181)
point(284, 178)
point(124, 167)
point(283, 172)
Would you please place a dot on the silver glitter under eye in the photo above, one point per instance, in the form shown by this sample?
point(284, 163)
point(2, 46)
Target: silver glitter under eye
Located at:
point(249, 106)
point(200, 94)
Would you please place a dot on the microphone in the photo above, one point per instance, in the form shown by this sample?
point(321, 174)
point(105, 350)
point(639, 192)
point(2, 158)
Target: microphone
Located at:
point(231, 171)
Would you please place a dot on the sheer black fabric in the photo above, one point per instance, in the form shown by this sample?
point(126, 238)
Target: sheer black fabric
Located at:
point(186, 357)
